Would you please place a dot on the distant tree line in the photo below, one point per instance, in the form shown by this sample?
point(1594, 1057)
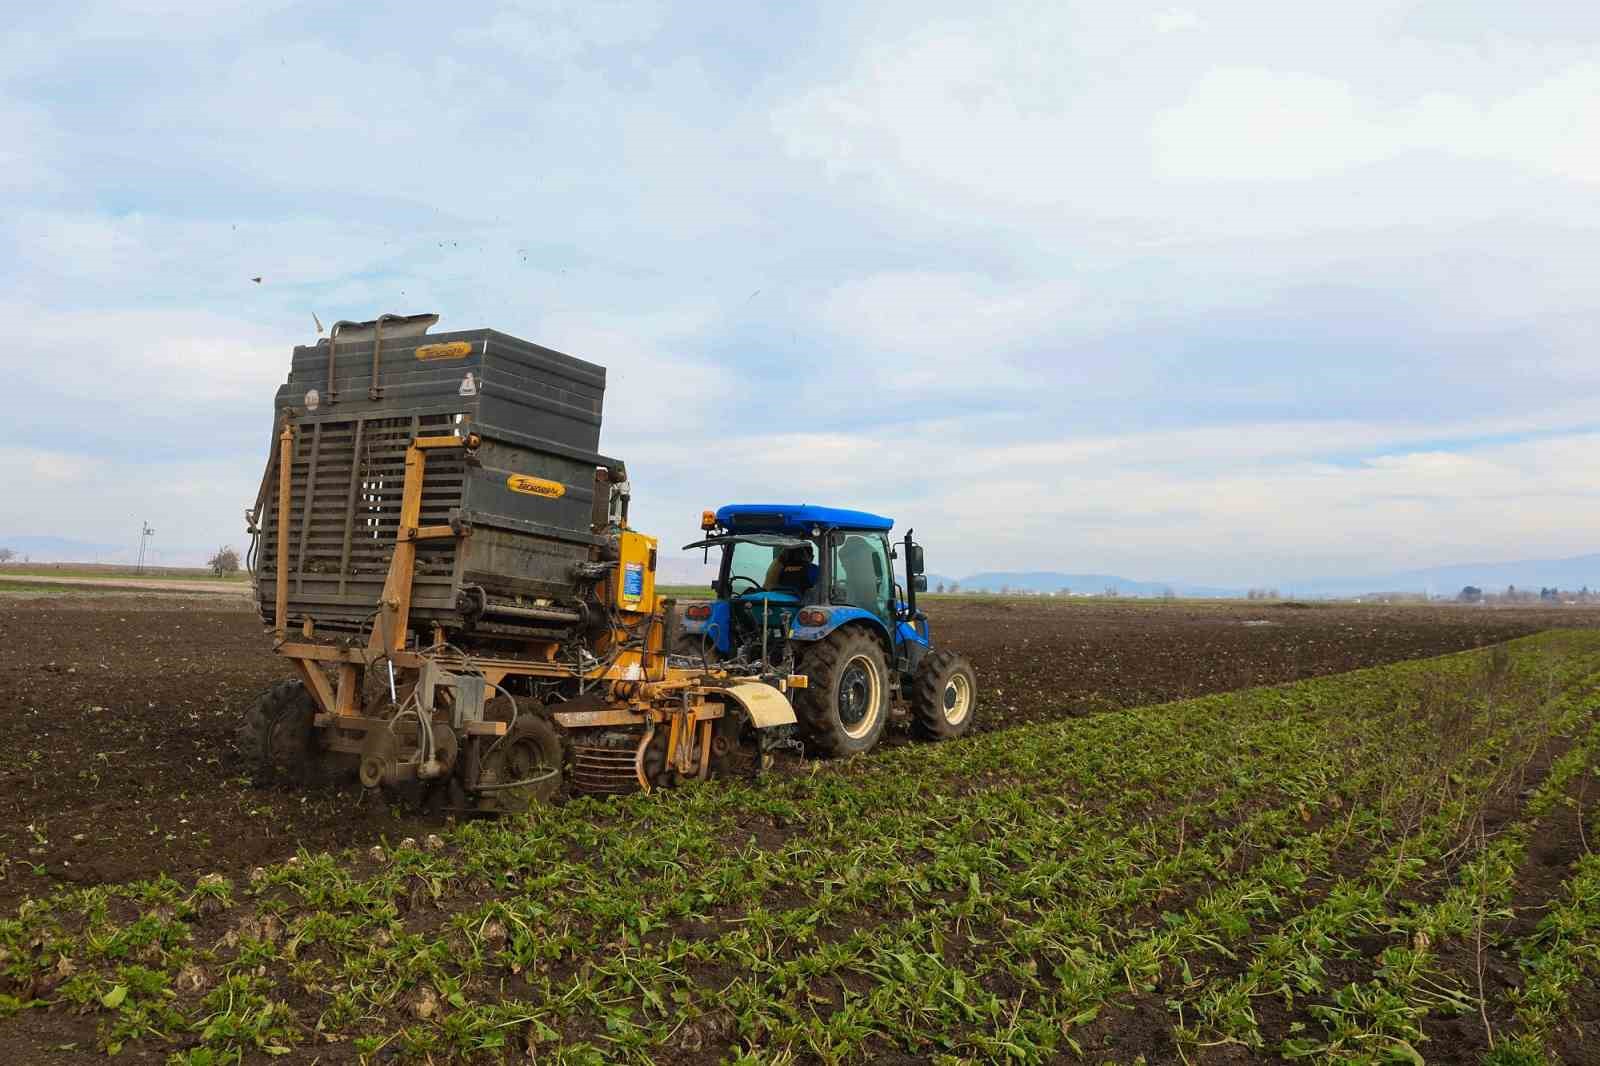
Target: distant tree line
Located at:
point(1512, 594)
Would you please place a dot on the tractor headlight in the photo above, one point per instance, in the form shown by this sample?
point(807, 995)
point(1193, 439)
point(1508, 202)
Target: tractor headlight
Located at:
point(813, 617)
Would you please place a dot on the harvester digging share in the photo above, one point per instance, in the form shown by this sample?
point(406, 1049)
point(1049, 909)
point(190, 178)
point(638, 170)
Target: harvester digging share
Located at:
point(446, 559)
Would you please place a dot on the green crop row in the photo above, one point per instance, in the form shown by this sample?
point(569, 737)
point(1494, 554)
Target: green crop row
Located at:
point(1009, 897)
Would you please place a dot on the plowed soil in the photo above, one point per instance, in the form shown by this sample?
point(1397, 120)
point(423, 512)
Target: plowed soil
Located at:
point(119, 713)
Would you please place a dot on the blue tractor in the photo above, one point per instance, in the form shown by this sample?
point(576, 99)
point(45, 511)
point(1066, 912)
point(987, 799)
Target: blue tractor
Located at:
point(807, 590)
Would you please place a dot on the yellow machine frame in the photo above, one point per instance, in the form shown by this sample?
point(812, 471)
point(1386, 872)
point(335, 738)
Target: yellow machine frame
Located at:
point(640, 686)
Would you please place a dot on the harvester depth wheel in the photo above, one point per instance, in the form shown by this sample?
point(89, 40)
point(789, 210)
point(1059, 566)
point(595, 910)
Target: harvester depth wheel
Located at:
point(735, 746)
point(529, 751)
point(656, 770)
point(944, 696)
point(846, 704)
point(278, 739)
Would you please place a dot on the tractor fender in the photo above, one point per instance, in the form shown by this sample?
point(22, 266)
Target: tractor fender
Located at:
point(765, 705)
point(909, 633)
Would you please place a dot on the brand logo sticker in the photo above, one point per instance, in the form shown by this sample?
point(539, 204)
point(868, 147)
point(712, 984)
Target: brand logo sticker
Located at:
point(529, 485)
point(449, 350)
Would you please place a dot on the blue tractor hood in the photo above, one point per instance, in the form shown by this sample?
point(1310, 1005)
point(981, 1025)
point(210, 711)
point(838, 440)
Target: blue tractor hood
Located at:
point(796, 518)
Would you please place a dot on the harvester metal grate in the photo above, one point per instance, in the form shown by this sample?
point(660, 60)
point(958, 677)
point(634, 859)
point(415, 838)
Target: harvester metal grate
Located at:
point(346, 482)
point(604, 769)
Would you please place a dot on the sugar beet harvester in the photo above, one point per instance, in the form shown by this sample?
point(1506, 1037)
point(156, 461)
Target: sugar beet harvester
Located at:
point(445, 558)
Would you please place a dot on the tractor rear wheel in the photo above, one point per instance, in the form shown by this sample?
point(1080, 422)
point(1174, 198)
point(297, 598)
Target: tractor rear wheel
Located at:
point(278, 738)
point(944, 695)
point(846, 702)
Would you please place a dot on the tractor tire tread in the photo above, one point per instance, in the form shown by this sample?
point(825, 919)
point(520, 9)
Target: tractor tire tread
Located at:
point(927, 697)
point(282, 699)
point(812, 706)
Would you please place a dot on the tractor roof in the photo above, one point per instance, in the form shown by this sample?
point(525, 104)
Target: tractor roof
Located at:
point(796, 517)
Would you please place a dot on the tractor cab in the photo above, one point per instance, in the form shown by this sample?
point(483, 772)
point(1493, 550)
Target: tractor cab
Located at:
point(797, 587)
point(809, 569)
point(763, 581)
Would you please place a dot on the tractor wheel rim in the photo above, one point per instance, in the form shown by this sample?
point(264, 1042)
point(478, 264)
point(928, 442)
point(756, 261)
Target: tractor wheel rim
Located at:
point(859, 690)
point(957, 699)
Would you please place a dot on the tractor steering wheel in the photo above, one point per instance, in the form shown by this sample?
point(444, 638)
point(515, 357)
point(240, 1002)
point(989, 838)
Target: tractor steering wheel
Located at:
point(755, 585)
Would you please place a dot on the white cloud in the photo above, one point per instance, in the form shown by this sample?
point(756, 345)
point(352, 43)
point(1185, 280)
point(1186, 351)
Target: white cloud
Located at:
point(954, 329)
point(654, 382)
point(558, 31)
point(196, 504)
point(970, 106)
point(1052, 127)
point(1262, 125)
point(141, 367)
point(1097, 285)
point(1175, 19)
point(28, 147)
point(1243, 503)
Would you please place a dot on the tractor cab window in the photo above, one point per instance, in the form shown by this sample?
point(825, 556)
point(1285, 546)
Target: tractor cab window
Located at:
point(769, 564)
point(861, 574)
point(747, 567)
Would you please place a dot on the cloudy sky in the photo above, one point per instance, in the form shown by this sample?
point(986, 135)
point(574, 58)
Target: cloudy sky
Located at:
point(1230, 292)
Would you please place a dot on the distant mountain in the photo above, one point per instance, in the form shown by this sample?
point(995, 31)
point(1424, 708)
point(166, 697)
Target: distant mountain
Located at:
point(39, 549)
point(61, 550)
point(1573, 573)
point(671, 570)
point(688, 570)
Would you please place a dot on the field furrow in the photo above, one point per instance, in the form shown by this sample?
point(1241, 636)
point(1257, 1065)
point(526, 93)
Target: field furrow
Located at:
point(1289, 870)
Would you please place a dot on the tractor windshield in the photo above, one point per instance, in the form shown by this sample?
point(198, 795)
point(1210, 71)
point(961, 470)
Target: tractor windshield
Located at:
point(764, 562)
point(750, 562)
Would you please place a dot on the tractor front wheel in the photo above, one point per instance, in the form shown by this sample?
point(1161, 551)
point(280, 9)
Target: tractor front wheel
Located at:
point(944, 695)
point(846, 703)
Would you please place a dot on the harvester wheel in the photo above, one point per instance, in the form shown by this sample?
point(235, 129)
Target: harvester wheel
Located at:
point(944, 695)
point(696, 646)
point(278, 739)
point(530, 751)
point(846, 704)
point(735, 747)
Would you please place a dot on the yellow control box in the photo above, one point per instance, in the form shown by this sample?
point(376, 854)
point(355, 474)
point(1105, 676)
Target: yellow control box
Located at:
point(636, 572)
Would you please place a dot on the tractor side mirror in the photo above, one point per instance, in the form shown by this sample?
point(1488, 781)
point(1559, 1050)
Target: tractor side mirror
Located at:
point(920, 581)
point(914, 562)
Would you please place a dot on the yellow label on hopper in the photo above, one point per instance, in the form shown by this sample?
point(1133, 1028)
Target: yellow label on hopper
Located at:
point(449, 350)
point(529, 485)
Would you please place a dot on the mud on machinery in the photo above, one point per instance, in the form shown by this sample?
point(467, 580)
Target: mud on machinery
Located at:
point(445, 558)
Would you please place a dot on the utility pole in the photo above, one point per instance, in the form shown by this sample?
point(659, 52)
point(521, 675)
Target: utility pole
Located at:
point(144, 534)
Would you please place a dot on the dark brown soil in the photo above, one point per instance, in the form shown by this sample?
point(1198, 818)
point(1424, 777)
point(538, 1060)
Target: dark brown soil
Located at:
point(121, 763)
point(119, 712)
point(1040, 659)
